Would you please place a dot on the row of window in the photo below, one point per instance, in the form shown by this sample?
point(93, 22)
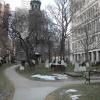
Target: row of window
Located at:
point(90, 13)
point(78, 46)
point(77, 5)
point(92, 27)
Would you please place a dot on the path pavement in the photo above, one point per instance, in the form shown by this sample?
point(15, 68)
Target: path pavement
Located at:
point(26, 89)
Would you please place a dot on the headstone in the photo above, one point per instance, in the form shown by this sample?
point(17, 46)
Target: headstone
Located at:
point(79, 68)
point(47, 64)
point(33, 61)
point(21, 68)
point(26, 64)
point(87, 64)
point(82, 68)
point(76, 69)
point(63, 63)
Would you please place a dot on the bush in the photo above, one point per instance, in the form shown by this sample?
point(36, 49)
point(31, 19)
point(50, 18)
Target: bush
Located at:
point(70, 68)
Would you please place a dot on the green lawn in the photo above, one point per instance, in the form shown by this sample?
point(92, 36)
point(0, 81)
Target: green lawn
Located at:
point(5, 84)
point(39, 69)
point(86, 92)
point(70, 68)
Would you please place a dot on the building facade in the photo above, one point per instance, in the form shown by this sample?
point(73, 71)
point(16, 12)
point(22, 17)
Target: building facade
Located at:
point(86, 15)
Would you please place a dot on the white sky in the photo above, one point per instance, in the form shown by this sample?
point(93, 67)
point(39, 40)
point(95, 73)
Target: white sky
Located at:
point(18, 3)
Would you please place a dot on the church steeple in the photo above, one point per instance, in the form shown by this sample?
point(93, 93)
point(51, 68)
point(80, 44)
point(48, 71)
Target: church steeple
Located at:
point(35, 4)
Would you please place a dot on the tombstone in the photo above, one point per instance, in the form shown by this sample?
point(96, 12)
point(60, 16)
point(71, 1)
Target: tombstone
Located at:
point(87, 64)
point(47, 64)
point(33, 61)
point(82, 68)
point(0, 61)
point(76, 69)
point(63, 63)
point(79, 68)
point(26, 64)
point(21, 68)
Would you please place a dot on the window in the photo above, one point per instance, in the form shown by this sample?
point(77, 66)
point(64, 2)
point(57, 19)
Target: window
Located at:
point(92, 27)
point(98, 25)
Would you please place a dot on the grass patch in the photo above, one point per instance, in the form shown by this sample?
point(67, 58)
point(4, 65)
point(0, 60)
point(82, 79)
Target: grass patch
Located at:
point(70, 68)
point(5, 84)
point(39, 69)
point(86, 92)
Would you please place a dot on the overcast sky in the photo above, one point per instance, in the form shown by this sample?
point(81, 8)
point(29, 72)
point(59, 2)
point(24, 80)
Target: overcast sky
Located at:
point(18, 3)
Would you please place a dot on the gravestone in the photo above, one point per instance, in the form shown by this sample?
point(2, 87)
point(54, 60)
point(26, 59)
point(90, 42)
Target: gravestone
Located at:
point(21, 68)
point(79, 68)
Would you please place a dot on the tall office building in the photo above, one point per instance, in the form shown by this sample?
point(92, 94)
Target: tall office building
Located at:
point(86, 15)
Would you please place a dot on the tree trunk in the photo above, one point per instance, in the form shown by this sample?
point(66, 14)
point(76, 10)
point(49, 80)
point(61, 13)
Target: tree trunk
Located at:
point(62, 49)
point(27, 51)
point(49, 53)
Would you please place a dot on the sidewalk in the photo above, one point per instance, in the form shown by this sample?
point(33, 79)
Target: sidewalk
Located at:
point(26, 89)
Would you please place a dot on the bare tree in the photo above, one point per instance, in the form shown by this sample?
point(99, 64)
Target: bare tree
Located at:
point(51, 38)
point(37, 26)
point(4, 24)
point(40, 32)
point(87, 41)
point(62, 17)
point(32, 32)
point(19, 30)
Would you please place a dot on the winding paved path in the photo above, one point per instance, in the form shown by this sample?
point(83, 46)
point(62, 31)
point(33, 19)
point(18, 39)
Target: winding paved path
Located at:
point(26, 89)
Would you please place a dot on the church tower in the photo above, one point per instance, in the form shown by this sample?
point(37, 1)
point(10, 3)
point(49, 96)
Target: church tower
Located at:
point(35, 4)
point(34, 13)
